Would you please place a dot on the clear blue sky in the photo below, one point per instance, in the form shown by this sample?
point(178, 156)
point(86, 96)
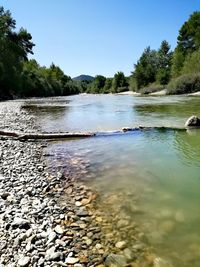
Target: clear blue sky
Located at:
point(98, 36)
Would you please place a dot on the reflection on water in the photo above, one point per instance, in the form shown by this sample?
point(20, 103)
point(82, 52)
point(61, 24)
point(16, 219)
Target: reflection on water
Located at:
point(155, 188)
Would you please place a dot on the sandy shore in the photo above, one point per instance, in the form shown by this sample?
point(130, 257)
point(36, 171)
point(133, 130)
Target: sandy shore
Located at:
point(129, 93)
point(195, 94)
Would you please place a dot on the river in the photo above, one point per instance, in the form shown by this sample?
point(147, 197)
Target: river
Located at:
point(154, 174)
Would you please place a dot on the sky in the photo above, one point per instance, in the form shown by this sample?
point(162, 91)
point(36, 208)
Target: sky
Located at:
point(98, 36)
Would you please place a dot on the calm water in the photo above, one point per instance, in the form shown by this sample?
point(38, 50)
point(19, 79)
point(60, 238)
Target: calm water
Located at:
point(155, 174)
point(112, 112)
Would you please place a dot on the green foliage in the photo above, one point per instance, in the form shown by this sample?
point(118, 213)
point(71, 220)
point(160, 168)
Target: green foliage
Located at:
point(132, 83)
point(97, 85)
point(164, 63)
point(108, 86)
point(177, 62)
point(14, 49)
point(188, 42)
point(188, 83)
point(189, 34)
point(146, 68)
point(192, 63)
point(22, 77)
point(119, 83)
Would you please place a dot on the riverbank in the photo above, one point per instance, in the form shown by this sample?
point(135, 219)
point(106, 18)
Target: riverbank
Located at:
point(37, 228)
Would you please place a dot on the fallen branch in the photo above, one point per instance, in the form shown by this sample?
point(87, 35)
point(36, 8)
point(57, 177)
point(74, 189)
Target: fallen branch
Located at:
point(55, 135)
point(27, 136)
point(67, 135)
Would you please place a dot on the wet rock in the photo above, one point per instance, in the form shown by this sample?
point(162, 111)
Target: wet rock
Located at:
point(114, 260)
point(167, 226)
point(193, 121)
point(129, 255)
point(159, 262)
point(120, 244)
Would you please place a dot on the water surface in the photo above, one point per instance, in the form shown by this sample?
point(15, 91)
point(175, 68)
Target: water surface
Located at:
point(112, 112)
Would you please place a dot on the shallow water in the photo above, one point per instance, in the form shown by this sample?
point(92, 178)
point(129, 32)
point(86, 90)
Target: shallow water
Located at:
point(112, 112)
point(154, 174)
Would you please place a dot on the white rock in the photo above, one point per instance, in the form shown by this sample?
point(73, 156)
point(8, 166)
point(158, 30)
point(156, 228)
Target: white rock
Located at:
point(71, 260)
point(24, 261)
point(52, 237)
point(58, 229)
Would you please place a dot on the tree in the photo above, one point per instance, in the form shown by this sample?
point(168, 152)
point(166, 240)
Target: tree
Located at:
point(164, 63)
point(188, 41)
point(14, 49)
point(107, 86)
point(97, 85)
point(146, 68)
point(192, 63)
point(119, 82)
point(189, 34)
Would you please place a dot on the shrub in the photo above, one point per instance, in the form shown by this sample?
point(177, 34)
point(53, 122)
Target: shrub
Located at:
point(151, 88)
point(188, 83)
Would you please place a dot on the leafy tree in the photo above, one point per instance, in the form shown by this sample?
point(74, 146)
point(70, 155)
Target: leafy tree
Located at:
point(97, 84)
point(188, 41)
point(107, 86)
point(14, 49)
point(189, 34)
point(177, 62)
point(146, 68)
point(192, 63)
point(164, 63)
point(118, 82)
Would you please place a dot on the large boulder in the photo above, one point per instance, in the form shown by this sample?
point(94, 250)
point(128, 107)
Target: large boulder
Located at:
point(193, 121)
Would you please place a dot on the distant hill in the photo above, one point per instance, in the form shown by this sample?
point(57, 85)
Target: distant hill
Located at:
point(83, 78)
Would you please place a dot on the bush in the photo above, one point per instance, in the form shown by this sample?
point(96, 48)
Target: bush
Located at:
point(151, 88)
point(189, 83)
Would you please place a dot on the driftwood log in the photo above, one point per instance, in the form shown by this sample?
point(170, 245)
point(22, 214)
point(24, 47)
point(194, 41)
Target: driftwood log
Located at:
point(27, 136)
point(68, 135)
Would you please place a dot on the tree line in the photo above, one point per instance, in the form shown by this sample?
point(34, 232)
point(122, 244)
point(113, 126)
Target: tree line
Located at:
point(178, 70)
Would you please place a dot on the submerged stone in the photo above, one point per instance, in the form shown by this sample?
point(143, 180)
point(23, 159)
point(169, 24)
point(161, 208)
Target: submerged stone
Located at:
point(159, 262)
point(114, 260)
point(193, 121)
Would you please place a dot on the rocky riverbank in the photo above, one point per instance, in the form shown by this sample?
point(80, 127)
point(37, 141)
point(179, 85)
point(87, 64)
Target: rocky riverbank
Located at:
point(36, 227)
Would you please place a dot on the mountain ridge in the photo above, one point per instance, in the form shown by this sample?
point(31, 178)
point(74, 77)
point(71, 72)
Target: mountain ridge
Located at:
point(83, 77)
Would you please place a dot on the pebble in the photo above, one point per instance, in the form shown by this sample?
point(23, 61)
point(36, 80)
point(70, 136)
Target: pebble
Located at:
point(24, 261)
point(120, 244)
point(71, 260)
point(59, 230)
